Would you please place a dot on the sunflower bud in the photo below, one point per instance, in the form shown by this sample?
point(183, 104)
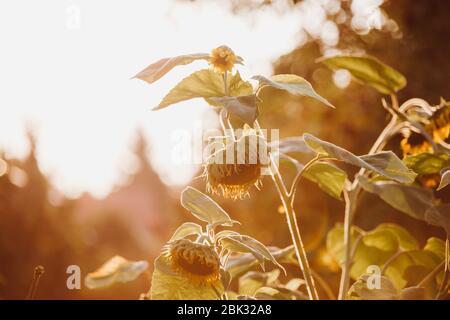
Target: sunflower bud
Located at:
point(222, 59)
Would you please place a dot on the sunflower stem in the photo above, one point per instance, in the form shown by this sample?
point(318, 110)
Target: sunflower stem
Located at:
point(352, 199)
point(291, 220)
point(295, 232)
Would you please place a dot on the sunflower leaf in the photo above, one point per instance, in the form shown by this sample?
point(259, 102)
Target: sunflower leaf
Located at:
point(293, 84)
point(205, 84)
point(385, 163)
point(115, 270)
point(204, 208)
point(427, 163)
point(186, 229)
point(243, 107)
point(161, 67)
point(369, 71)
point(328, 177)
point(445, 178)
point(412, 200)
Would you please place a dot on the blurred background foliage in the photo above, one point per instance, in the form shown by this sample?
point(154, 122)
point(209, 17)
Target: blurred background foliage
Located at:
point(40, 227)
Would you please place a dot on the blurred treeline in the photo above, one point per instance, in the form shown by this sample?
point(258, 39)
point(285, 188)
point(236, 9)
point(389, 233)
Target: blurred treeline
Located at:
point(37, 230)
point(40, 227)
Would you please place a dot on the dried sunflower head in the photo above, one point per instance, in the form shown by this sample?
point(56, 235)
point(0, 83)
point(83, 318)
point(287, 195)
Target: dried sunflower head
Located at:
point(198, 262)
point(415, 143)
point(234, 169)
point(440, 122)
point(222, 59)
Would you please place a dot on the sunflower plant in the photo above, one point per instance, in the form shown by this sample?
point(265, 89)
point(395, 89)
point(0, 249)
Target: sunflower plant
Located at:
point(200, 261)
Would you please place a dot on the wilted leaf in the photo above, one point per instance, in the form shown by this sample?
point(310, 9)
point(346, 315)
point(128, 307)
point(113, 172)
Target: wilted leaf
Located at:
point(412, 200)
point(204, 208)
point(445, 178)
point(293, 84)
point(385, 163)
point(328, 177)
point(158, 69)
point(243, 107)
point(427, 163)
point(186, 229)
point(369, 71)
point(115, 270)
point(168, 285)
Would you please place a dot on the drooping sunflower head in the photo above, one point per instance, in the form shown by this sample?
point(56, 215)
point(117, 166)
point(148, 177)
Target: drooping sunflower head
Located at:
point(198, 262)
point(222, 59)
point(414, 143)
point(440, 122)
point(234, 169)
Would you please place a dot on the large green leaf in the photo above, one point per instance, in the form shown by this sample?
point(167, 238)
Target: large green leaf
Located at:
point(369, 71)
point(115, 270)
point(169, 285)
point(328, 177)
point(416, 202)
point(205, 84)
point(204, 208)
point(373, 248)
point(412, 200)
point(385, 163)
point(158, 69)
point(293, 84)
point(410, 267)
point(427, 163)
